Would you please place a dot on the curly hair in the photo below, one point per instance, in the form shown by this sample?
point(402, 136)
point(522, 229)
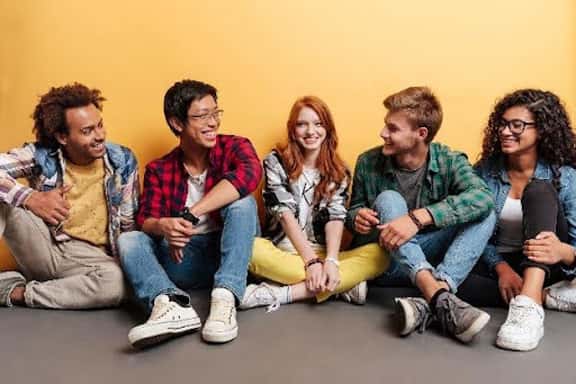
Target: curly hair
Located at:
point(556, 140)
point(331, 166)
point(50, 113)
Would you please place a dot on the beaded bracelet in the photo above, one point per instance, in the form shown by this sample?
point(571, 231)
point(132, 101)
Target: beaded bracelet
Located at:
point(312, 262)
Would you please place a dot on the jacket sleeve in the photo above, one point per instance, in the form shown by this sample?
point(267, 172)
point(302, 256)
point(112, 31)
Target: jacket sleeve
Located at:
point(15, 164)
point(247, 171)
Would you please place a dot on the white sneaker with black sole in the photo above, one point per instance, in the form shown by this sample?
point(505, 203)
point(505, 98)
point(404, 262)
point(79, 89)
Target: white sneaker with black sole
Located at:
point(221, 325)
point(167, 320)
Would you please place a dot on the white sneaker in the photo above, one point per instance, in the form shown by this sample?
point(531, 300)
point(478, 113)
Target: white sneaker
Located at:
point(221, 325)
point(561, 296)
point(524, 326)
point(258, 295)
point(356, 295)
point(168, 319)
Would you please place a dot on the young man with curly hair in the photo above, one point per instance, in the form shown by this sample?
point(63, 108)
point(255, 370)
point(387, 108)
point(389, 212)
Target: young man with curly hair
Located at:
point(197, 220)
point(424, 204)
point(63, 226)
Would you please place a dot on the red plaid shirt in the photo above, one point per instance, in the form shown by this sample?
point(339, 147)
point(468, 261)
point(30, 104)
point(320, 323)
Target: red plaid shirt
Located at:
point(166, 180)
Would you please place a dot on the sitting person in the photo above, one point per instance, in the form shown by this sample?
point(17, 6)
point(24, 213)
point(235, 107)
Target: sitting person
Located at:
point(63, 226)
point(305, 193)
point(424, 204)
point(197, 220)
point(527, 160)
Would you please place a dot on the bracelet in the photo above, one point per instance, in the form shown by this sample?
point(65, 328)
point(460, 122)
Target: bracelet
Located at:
point(332, 260)
point(312, 262)
point(415, 220)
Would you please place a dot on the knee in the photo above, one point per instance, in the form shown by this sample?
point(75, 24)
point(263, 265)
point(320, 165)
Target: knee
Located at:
point(539, 192)
point(129, 243)
point(111, 286)
point(389, 205)
point(244, 208)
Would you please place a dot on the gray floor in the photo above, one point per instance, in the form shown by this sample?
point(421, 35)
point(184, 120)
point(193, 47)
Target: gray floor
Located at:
point(301, 343)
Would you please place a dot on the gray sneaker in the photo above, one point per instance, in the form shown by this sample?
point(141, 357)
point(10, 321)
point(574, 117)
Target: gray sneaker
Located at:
point(413, 313)
point(9, 281)
point(459, 318)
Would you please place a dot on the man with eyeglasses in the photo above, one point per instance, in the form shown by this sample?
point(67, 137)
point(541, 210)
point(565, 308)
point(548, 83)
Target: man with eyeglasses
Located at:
point(198, 223)
point(424, 204)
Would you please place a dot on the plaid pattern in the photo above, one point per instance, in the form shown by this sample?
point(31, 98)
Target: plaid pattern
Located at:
point(166, 180)
point(281, 194)
point(452, 192)
point(44, 169)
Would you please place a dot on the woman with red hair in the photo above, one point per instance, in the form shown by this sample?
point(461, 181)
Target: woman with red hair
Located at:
point(305, 195)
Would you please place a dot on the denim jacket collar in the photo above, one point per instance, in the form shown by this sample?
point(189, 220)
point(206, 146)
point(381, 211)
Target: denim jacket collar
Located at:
point(542, 171)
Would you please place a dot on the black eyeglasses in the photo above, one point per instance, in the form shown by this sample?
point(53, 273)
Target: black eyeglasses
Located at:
point(516, 126)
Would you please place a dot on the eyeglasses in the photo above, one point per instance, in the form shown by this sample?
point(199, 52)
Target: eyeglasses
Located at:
point(516, 126)
point(216, 115)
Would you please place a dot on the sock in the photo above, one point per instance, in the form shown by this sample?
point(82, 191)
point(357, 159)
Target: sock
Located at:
point(434, 299)
point(286, 295)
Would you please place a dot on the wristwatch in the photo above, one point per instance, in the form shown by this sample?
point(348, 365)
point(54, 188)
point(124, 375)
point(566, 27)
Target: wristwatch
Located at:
point(332, 260)
point(187, 215)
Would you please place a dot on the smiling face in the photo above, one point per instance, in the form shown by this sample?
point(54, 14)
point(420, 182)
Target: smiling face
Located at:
point(399, 134)
point(515, 144)
point(309, 131)
point(201, 127)
point(84, 142)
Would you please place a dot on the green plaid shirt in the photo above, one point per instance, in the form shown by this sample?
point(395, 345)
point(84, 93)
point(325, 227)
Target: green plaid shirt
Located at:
point(452, 192)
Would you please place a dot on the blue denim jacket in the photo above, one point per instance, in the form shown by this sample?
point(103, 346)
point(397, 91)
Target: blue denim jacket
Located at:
point(494, 174)
point(44, 170)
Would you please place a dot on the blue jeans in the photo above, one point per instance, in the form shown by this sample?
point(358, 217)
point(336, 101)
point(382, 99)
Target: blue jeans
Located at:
point(449, 253)
point(217, 259)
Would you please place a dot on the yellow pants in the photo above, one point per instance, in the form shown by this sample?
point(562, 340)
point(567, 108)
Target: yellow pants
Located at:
point(356, 265)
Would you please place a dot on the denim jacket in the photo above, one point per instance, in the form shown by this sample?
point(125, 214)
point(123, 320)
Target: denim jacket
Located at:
point(494, 174)
point(44, 170)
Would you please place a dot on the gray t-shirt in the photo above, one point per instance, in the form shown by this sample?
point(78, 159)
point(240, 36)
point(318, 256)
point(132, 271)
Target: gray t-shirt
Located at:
point(410, 184)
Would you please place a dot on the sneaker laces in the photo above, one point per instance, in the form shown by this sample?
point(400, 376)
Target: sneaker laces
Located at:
point(265, 293)
point(161, 309)
point(445, 312)
point(426, 317)
point(521, 314)
point(221, 309)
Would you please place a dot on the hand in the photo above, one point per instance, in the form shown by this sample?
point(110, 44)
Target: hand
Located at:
point(396, 232)
point(176, 254)
point(314, 278)
point(546, 248)
point(176, 231)
point(331, 276)
point(509, 282)
point(365, 220)
point(50, 206)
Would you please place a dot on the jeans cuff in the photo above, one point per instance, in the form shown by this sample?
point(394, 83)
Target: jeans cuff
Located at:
point(417, 268)
point(171, 292)
point(447, 279)
point(529, 264)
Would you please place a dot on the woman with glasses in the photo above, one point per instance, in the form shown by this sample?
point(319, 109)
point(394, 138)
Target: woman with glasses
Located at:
point(305, 192)
point(527, 160)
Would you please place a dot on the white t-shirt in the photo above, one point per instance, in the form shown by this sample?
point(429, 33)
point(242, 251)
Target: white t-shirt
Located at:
point(509, 236)
point(195, 193)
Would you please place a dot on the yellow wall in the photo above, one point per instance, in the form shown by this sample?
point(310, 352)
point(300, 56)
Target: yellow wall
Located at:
point(263, 54)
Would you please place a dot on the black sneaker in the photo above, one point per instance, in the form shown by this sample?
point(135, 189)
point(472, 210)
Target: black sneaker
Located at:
point(459, 318)
point(413, 313)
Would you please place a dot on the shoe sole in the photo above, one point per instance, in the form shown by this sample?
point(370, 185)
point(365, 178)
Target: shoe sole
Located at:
point(477, 326)
point(220, 337)
point(516, 346)
point(149, 336)
point(405, 314)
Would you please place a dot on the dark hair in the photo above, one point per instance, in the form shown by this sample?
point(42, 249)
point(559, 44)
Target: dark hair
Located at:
point(556, 142)
point(50, 113)
point(421, 106)
point(178, 98)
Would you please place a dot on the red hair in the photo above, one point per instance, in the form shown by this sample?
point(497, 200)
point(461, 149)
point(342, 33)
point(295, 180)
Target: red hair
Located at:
point(329, 164)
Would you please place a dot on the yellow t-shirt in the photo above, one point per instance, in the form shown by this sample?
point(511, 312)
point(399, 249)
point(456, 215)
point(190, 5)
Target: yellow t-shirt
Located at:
point(88, 218)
